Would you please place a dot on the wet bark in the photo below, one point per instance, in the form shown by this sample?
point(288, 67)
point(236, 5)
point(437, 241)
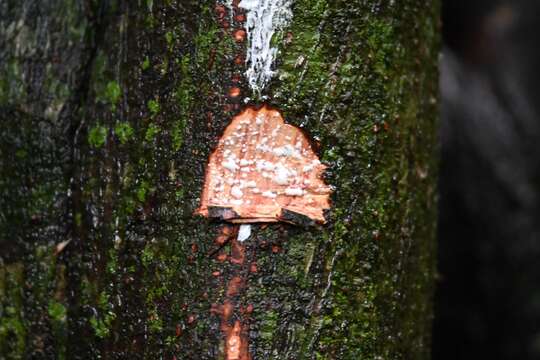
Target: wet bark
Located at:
point(109, 111)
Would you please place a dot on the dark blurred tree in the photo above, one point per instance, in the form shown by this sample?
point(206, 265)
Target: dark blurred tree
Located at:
point(488, 300)
point(109, 110)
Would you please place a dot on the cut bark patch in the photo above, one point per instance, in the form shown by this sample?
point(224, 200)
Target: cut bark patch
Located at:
point(264, 170)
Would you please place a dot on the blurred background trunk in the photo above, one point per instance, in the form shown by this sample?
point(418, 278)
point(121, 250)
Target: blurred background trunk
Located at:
point(109, 110)
point(488, 299)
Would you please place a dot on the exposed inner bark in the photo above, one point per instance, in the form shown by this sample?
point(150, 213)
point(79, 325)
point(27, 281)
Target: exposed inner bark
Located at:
point(264, 170)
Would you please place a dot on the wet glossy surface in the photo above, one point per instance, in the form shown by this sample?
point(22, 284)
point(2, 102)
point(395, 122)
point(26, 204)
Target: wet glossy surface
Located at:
point(110, 111)
point(263, 167)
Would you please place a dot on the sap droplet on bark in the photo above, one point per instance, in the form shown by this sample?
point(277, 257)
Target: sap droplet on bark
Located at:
point(244, 232)
point(264, 170)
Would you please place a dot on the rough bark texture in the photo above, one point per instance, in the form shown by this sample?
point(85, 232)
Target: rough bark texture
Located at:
point(109, 111)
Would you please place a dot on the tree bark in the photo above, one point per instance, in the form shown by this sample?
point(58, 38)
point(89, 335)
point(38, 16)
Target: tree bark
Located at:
point(110, 110)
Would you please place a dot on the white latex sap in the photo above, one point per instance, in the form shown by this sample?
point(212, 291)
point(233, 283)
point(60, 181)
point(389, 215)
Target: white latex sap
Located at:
point(264, 19)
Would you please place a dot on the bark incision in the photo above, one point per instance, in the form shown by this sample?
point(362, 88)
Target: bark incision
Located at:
point(264, 170)
point(110, 111)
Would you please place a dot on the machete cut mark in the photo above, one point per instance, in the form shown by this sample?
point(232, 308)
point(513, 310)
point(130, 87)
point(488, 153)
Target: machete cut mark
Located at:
point(264, 170)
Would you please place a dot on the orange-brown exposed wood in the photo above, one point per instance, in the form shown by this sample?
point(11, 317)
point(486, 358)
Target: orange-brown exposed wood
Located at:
point(234, 316)
point(264, 170)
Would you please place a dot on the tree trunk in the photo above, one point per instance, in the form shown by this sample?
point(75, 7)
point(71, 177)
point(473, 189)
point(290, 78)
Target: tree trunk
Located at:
point(110, 110)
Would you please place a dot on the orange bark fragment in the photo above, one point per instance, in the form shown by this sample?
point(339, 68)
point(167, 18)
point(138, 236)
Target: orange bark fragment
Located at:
point(236, 346)
point(240, 35)
point(264, 170)
point(235, 285)
point(234, 92)
point(239, 60)
point(222, 257)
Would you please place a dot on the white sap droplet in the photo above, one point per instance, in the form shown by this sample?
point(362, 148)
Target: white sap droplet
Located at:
point(264, 19)
point(236, 192)
point(294, 192)
point(244, 232)
point(287, 150)
point(281, 175)
point(229, 164)
point(269, 194)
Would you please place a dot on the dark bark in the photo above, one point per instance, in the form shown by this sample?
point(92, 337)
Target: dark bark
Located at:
point(109, 112)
